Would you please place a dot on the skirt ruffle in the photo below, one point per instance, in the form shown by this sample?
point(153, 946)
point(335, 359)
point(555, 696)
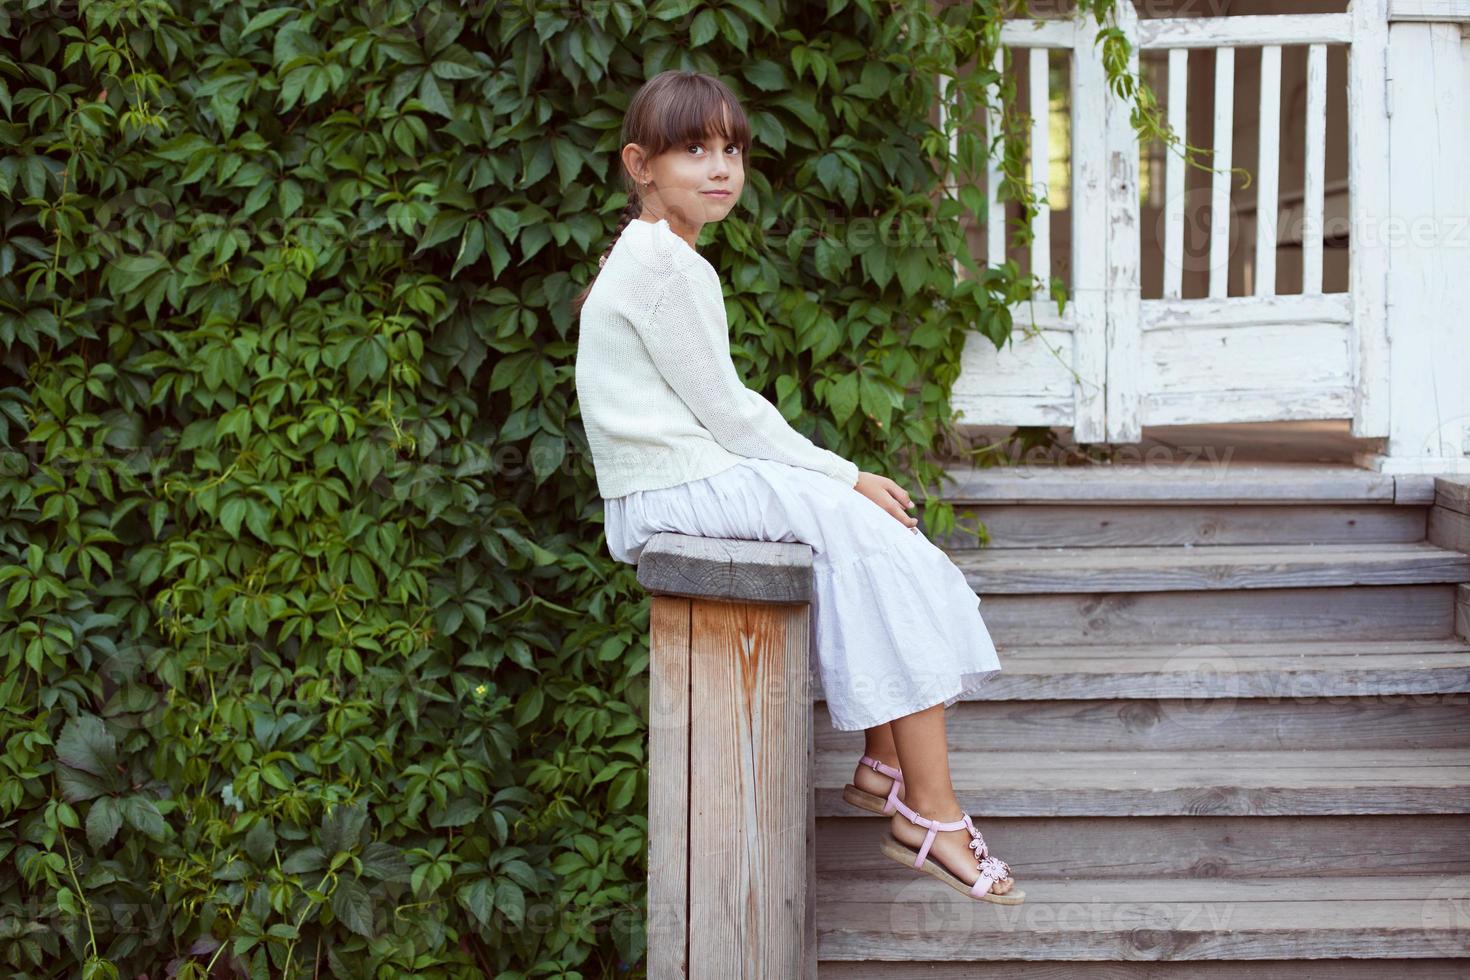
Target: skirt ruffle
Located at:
point(896, 628)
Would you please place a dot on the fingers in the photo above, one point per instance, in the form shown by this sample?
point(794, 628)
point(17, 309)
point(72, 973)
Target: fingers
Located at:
point(900, 494)
point(903, 518)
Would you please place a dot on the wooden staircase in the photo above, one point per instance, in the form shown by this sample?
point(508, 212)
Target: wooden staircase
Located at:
point(1230, 737)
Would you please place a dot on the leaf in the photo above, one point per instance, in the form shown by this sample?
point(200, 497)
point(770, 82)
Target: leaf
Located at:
point(260, 841)
point(143, 816)
point(476, 898)
point(384, 861)
point(268, 18)
point(766, 75)
point(104, 820)
point(432, 96)
point(511, 900)
point(305, 860)
point(342, 827)
point(128, 272)
point(353, 906)
point(459, 812)
point(86, 744)
point(843, 397)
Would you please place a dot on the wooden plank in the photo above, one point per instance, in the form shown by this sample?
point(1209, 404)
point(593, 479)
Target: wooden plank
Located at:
point(888, 916)
point(1312, 198)
point(1429, 70)
point(1414, 488)
point(1150, 569)
point(1439, 670)
point(1236, 847)
point(1354, 613)
point(1038, 33)
point(1298, 717)
point(1244, 311)
point(1368, 208)
point(1224, 136)
point(1178, 109)
point(721, 568)
point(748, 790)
point(1448, 529)
point(1273, 372)
point(1268, 168)
point(1242, 405)
point(1462, 612)
point(1319, 969)
point(1136, 782)
point(1452, 493)
point(1440, 11)
point(668, 786)
point(1104, 525)
point(1089, 243)
point(1200, 481)
point(1123, 251)
point(1245, 30)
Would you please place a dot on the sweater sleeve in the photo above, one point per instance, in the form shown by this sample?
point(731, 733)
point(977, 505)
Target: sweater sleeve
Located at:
point(688, 337)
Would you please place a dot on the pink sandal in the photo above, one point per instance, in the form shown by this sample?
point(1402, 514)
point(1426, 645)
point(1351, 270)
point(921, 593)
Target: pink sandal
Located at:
point(992, 869)
point(871, 802)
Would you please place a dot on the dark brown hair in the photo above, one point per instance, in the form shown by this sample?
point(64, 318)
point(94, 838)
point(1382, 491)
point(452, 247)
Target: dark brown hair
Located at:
point(672, 108)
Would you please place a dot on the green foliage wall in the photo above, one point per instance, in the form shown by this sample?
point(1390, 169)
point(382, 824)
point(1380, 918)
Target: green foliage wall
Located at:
point(315, 661)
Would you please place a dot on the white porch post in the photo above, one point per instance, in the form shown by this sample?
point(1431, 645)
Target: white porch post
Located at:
point(1425, 236)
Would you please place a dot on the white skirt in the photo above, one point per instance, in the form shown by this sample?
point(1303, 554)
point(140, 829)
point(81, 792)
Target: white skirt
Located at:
point(896, 628)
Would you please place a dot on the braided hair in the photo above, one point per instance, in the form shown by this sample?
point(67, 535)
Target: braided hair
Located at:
point(671, 108)
point(631, 212)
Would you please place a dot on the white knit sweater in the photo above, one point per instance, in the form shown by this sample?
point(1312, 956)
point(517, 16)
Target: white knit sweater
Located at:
point(659, 395)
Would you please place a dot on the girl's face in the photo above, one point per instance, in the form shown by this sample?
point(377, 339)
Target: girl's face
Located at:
point(694, 182)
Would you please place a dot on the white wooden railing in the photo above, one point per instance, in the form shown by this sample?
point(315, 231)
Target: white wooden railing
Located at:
point(1116, 361)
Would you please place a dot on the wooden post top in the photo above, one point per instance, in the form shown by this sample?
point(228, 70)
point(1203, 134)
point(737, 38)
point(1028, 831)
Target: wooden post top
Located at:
point(725, 568)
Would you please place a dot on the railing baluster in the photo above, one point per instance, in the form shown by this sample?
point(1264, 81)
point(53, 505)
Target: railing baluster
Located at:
point(1174, 176)
point(1313, 190)
point(1268, 170)
point(995, 220)
point(1040, 164)
point(1220, 197)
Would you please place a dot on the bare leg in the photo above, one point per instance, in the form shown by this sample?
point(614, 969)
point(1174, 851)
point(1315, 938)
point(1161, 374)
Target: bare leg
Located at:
point(878, 743)
point(923, 752)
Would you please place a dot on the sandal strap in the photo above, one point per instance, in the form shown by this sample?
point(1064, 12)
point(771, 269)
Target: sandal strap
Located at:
point(891, 803)
point(935, 826)
point(882, 767)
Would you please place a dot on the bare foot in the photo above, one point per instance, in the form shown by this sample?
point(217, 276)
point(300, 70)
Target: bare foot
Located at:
point(951, 848)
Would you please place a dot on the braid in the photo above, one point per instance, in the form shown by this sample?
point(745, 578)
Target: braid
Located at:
point(633, 209)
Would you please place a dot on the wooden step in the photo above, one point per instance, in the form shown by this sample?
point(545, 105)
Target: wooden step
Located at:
point(1112, 525)
point(1171, 569)
point(1210, 481)
point(1364, 612)
point(1135, 783)
point(1264, 669)
point(1334, 969)
point(908, 916)
point(1430, 721)
point(1187, 847)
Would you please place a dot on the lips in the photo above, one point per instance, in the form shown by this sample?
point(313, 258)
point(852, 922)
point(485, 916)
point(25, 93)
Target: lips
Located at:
point(716, 193)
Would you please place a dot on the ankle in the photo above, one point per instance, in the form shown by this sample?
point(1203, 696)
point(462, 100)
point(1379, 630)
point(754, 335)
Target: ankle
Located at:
point(941, 809)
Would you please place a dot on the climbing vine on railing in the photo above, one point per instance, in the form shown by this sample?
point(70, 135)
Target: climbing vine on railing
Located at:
point(315, 661)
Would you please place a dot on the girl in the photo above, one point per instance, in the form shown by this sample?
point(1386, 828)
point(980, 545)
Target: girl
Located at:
point(680, 444)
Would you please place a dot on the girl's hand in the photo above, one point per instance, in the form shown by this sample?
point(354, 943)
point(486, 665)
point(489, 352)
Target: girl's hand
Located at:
point(888, 495)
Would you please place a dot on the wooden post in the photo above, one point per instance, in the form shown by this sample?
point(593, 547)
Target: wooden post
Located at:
point(731, 826)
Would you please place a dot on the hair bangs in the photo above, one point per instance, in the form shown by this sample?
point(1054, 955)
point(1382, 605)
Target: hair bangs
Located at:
point(696, 112)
